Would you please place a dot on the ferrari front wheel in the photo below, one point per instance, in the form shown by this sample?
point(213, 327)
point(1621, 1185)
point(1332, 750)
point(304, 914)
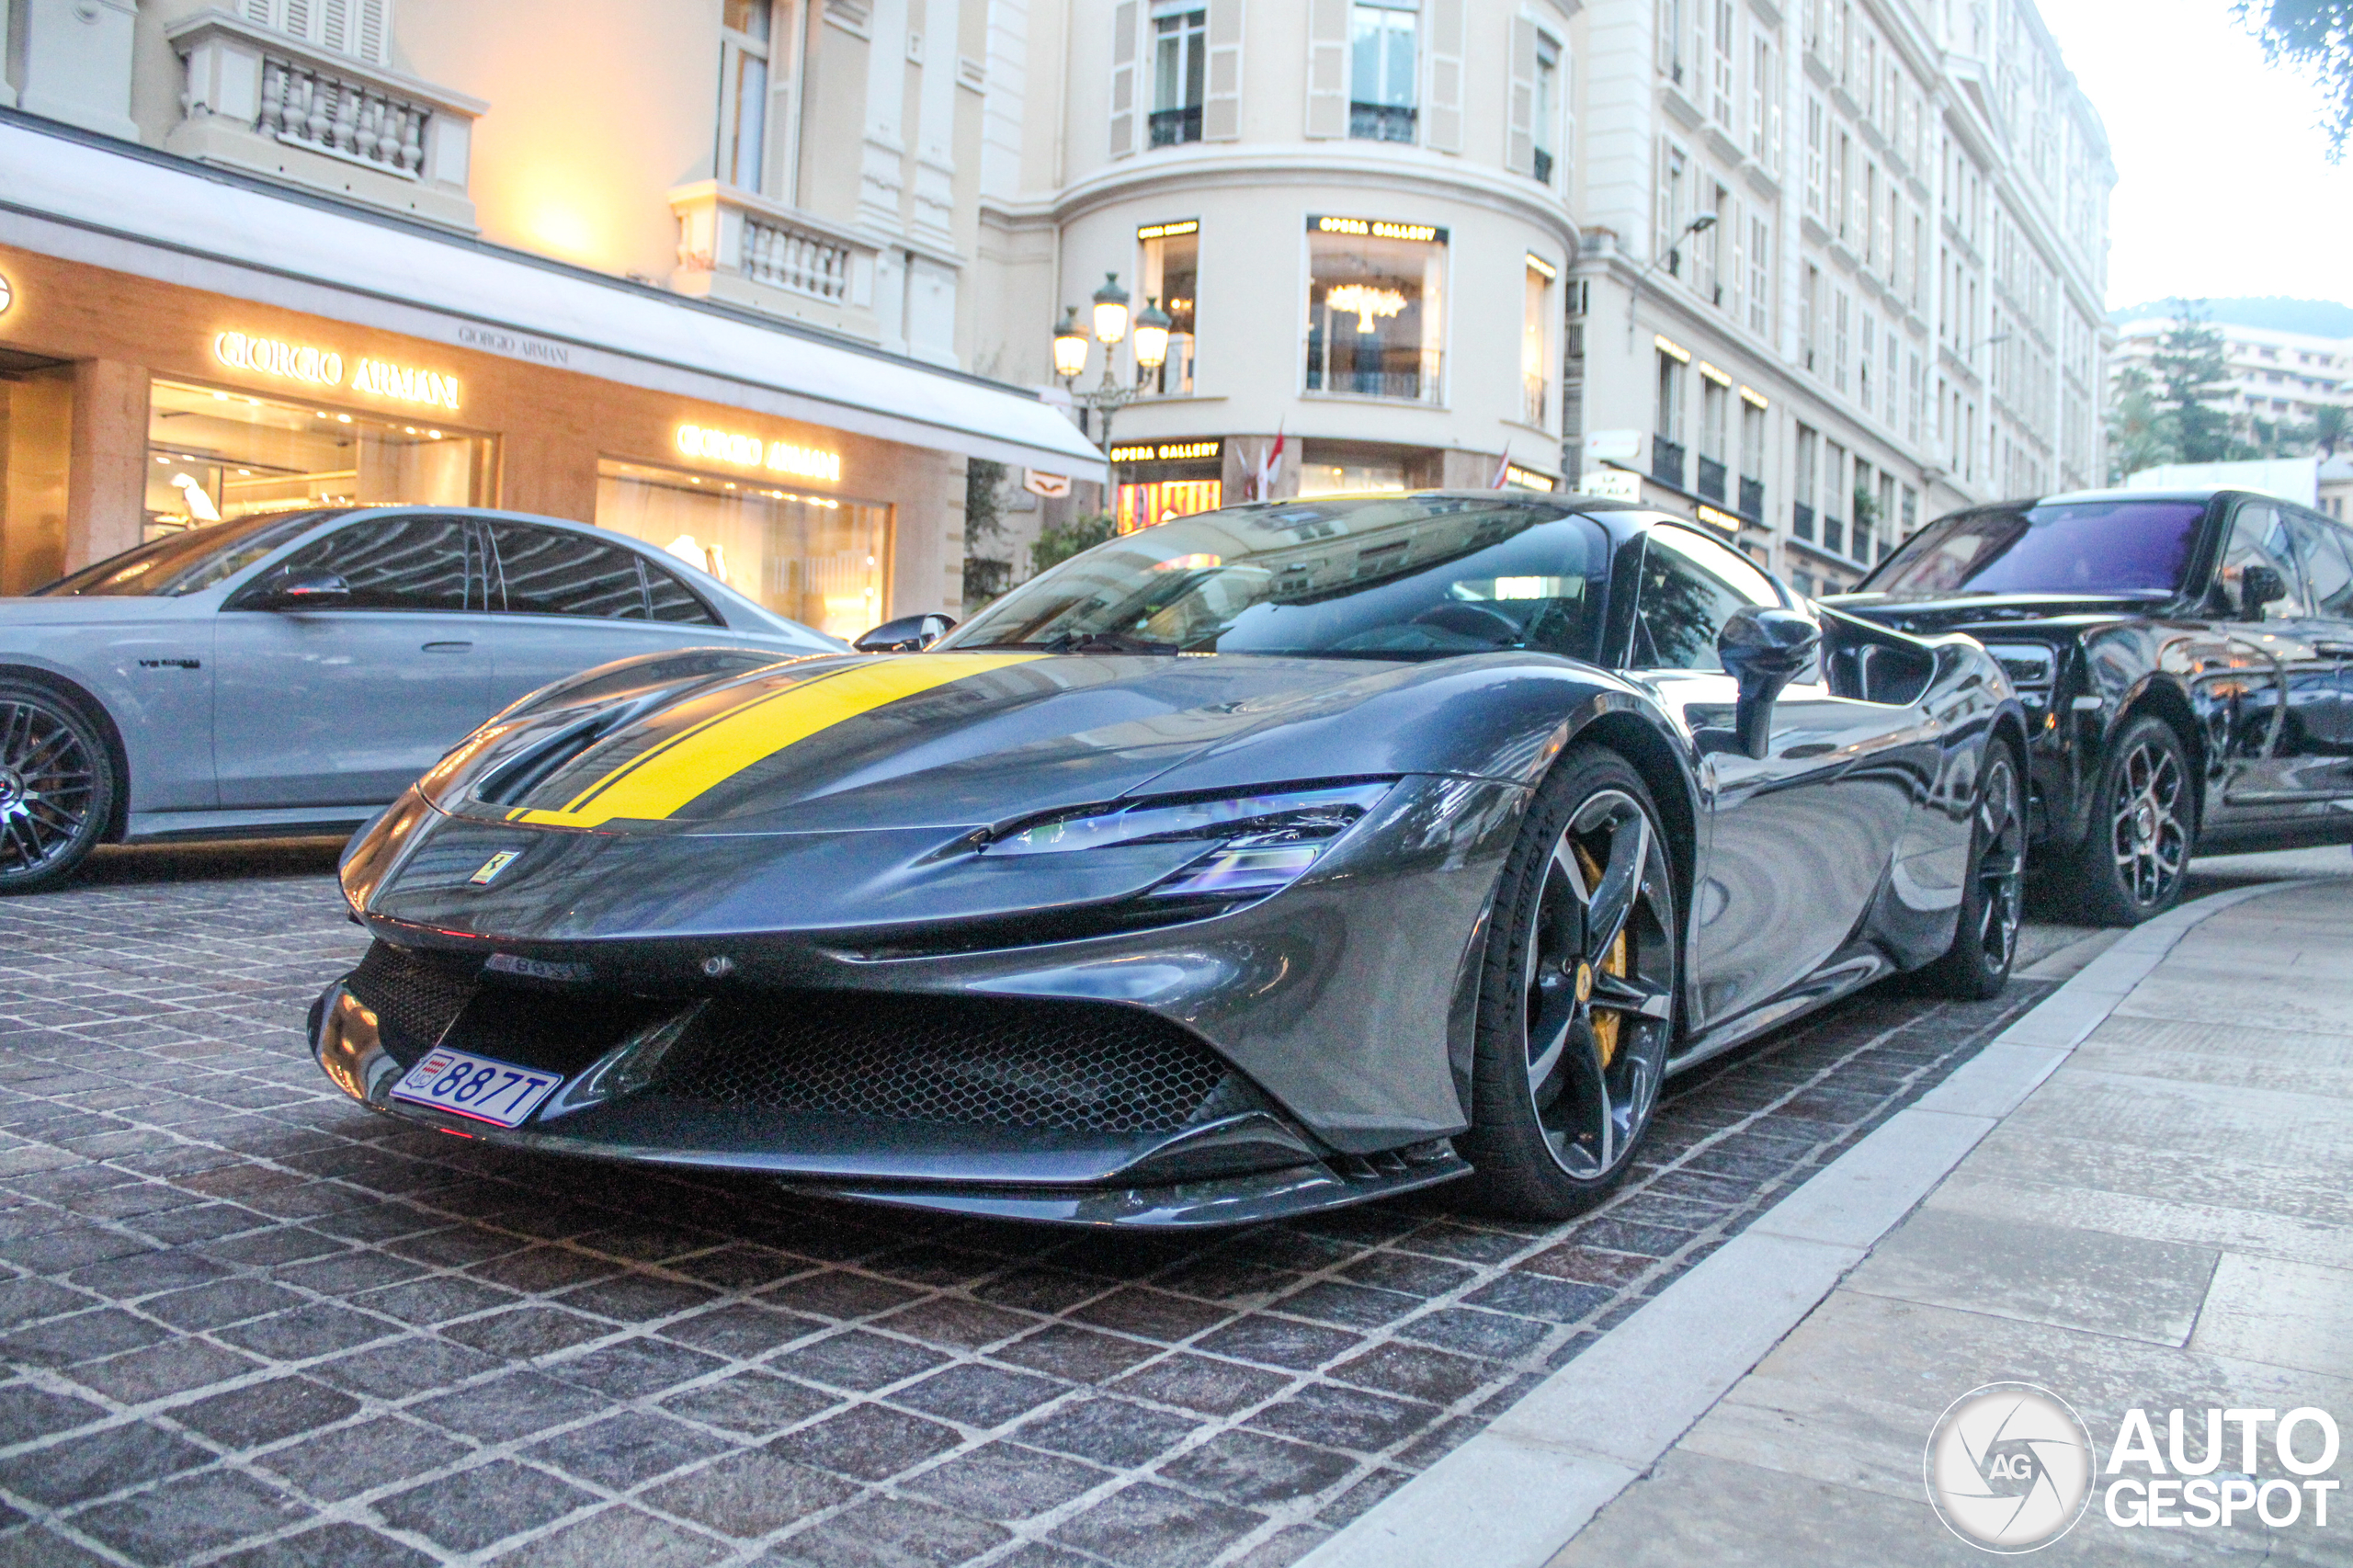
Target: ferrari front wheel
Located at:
point(1576, 1005)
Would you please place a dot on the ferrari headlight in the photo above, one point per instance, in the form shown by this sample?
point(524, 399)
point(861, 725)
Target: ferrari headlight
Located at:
point(1252, 843)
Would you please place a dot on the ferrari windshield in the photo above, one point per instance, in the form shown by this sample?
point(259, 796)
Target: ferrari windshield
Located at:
point(189, 560)
point(2060, 547)
point(1374, 577)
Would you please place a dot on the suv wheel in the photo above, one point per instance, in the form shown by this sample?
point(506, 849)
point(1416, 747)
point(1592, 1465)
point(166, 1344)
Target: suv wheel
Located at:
point(2132, 862)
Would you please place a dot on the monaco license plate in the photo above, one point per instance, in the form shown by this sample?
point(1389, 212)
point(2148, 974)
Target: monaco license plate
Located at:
point(497, 1092)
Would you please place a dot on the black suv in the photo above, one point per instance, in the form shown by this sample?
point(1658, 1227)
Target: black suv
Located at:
point(2185, 658)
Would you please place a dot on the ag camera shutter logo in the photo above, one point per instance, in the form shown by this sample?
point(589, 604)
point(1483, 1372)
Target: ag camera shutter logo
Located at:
point(2009, 1468)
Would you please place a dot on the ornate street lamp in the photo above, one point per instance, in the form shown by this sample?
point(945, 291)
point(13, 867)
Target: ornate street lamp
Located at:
point(1111, 322)
point(1151, 334)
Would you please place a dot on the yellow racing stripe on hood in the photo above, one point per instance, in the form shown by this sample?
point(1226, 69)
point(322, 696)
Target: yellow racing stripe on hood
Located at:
point(653, 786)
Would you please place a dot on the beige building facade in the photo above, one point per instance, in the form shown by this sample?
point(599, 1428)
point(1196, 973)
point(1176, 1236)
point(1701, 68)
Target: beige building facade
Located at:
point(702, 273)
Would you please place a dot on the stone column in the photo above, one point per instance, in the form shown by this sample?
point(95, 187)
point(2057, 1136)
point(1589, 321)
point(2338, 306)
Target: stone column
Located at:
point(107, 502)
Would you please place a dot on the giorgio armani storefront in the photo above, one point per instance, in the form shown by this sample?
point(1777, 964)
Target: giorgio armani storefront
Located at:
point(133, 404)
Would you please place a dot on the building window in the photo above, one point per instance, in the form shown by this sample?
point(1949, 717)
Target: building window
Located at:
point(1810, 317)
point(1802, 483)
point(1752, 460)
point(1535, 346)
point(1715, 414)
point(1331, 469)
point(815, 559)
point(1375, 310)
point(1833, 474)
point(217, 455)
point(1760, 276)
point(1171, 274)
point(1382, 70)
point(743, 92)
point(1548, 105)
point(1179, 55)
point(1666, 425)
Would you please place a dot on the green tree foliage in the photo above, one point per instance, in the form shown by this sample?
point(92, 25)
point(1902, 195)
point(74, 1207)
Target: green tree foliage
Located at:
point(1057, 545)
point(2189, 369)
point(2139, 433)
point(2328, 429)
point(2315, 37)
point(988, 567)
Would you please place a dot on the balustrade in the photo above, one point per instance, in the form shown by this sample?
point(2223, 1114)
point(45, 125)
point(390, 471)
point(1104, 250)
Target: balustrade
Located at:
point(312, 108)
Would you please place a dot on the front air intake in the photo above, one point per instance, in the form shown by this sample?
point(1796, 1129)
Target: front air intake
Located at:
point(1068, 1066)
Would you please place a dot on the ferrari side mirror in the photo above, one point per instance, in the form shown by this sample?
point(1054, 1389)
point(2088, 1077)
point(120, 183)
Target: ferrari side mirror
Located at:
point(908, 634)
point(1764, 650)
point(2259, 586)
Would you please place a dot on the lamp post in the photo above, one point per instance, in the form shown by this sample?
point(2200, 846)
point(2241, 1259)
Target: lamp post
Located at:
point(1111, 322)
point(1700, 225)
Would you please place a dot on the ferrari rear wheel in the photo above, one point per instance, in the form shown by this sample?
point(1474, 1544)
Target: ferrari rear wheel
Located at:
point(57, 787)
point(1577, 997)
point(1985, 939)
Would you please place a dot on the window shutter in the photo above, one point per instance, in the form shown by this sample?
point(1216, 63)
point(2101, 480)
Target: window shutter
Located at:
point(1123, 78)
point(335, 25)
point(1328, 68)
point(1521, 153)
point(372, 40)
point(1222, 99)
point(1728, 217)
point(1445, 21)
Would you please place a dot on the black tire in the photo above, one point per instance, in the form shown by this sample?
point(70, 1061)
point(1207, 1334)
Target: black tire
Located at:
point(57, 787)
point(1576, 1003)
point(2136, 851)
point(1986, 940)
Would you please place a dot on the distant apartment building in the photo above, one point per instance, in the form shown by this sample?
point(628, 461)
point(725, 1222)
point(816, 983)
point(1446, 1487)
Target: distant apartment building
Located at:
point(1844, 269)
point(703, 274)
point(2279, 377)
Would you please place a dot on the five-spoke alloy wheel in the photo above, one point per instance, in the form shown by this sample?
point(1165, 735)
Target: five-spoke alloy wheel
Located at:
point(57, 787)
point(1578, 1003)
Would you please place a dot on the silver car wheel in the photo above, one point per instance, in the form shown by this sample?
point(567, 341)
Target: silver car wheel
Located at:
point(50, 787)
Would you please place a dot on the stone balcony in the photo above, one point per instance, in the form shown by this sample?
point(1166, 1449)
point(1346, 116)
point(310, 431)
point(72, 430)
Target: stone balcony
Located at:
point(747, 250)
point(274, 104)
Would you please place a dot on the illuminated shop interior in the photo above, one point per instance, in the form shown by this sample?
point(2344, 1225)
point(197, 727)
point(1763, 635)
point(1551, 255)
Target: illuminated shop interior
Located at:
point(820, 560)
point(214, 454)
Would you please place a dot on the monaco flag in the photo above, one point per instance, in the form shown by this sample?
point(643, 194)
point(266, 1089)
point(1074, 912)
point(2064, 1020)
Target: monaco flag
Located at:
point(1271, 468)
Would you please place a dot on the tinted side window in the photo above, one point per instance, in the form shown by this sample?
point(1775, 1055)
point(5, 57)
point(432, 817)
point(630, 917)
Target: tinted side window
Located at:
point(415, 564)
point(2328, 564)
point(2259, 538)
point(1690, 587)
point(674, 601)
point(546, 571)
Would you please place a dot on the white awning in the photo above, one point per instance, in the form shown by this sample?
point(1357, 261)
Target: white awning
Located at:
point(155, 216)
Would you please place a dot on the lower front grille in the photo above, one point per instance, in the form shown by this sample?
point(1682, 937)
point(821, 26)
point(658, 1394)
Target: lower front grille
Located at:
point(1070, 1066)
point(415, 994)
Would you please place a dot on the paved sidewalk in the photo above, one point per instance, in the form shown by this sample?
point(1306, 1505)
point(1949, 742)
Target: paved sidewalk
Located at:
point(2166, 1221)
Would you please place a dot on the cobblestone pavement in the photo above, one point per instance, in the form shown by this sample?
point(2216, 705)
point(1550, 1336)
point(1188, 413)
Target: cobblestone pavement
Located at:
point(245, 1321)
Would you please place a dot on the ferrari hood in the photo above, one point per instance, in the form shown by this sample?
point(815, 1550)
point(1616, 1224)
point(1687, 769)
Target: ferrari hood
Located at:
point(916, 741)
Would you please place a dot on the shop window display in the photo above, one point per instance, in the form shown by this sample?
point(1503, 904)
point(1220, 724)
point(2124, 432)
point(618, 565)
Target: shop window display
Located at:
point(1141, 505)
point(1375, 309)
point(215, 455)
point(818, 560)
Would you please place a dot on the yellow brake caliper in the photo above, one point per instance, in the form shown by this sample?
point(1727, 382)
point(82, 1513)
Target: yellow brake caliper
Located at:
point(1606, 1023)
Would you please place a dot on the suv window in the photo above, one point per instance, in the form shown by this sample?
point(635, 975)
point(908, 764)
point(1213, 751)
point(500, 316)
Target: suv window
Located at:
point(548, 572)
point(1690, 587)
point(674, 601)
point(2327, 552)
point(403, 562)
point(2259, 538)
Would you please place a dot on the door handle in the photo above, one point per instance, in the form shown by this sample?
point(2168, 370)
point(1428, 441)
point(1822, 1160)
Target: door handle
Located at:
point(448, 647)
point(2335, 650)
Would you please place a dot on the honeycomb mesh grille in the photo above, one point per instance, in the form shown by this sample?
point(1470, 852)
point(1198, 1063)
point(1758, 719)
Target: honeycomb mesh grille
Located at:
point(414, 995)
point(1071, 1066)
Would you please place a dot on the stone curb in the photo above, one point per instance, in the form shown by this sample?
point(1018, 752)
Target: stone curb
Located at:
point(1518, 1492)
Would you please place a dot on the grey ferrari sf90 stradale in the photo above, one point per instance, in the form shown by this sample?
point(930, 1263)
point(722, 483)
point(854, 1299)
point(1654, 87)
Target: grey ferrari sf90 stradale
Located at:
point(1266, 860)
